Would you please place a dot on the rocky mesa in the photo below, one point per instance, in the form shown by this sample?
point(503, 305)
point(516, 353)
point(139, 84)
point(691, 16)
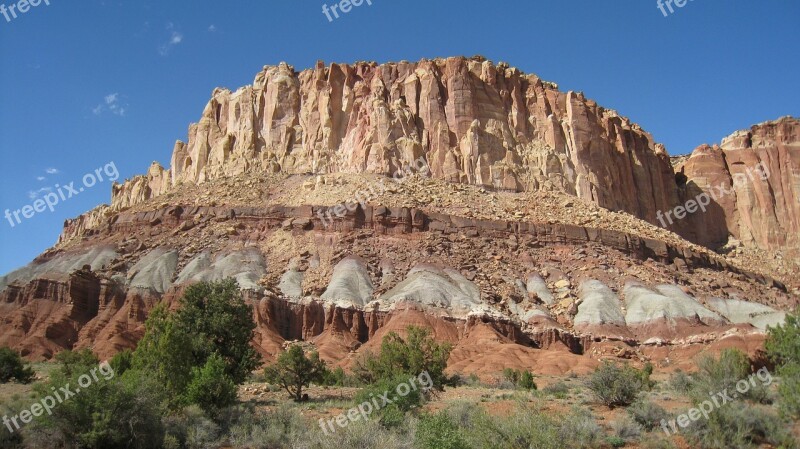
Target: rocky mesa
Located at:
point(528, 238)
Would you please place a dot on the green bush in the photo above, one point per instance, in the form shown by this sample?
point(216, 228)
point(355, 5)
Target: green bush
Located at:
point(626, 429)
point(392, 415)
point(721, 374)
point(111, 413)
point(783, 348)
point(210, 387)
point(526, 381)
point(680, 382)
point(12, 367)
point(789, 390)
point(528, 426)
point(122, 361)
point(411, 356)
point(192, 429)
point(647, 413)
point(615, 441)
point(616, 385)
point(439, 432)
point(358, 435)
point(580, 429)
point(511, 375)
point(212, 319)
point(266, 430)
point(739, 426)
point(76, 362)
point(559, 390)
point(337, 377)
point(293, 371)
point(519, 379)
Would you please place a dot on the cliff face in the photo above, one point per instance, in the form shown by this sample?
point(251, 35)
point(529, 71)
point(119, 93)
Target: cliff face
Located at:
point(753, 178)
point(491, 250)
point(472, 121)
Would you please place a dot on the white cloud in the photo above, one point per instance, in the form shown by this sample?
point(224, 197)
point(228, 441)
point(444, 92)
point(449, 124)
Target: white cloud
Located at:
point(51, 171)
point(212, 28)
point(40, 178)
point(111, 103)
point(175, 38)
point(33, 194)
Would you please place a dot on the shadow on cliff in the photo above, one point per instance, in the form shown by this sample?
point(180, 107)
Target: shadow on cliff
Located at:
point(704, 227)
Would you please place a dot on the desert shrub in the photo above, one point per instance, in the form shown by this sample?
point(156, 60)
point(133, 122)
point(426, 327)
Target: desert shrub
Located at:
point(526, 381)
point(252, 429)
point(438, 431)
point(680, 382)
point(460, 380)
point(647, 413)
point(644, 376)
point(337, 377)
point(580, 429)
point(783, 348)
point(466, 414)
point(656, 441)
point(739, 426)
point(392, 415)
point(12, 367)
point(358, 435)
point(529, 426)
point(122, 361)
point(294, 370)
point(789, 390)
point(12, 407)
point(722, 374)
point(76, 362)
point(213, 321)
point(616, 385)
point(114, 412)
point(626, 429)
point(615, 441)
point(418, 352)
point(511, 375)
point(719, 375)
point(517, 379)
point(559, 390)
point(210, 387)
point(191, 428)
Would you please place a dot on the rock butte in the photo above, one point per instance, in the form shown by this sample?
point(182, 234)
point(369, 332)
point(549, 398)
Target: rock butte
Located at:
point(531, 244)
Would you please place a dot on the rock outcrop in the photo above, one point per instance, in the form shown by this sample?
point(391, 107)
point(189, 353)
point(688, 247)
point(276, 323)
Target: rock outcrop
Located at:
point(470, 120)
point(753, 179)
point(524, 235)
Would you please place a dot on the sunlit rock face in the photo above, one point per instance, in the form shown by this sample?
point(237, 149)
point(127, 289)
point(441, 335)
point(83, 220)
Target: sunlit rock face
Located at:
point(753, 178)
point(472, 121)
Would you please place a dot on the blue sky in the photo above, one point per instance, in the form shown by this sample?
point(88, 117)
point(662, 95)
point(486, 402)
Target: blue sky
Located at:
point(85, 83)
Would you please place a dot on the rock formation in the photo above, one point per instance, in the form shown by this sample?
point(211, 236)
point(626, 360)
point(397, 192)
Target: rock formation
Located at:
point(753, 178)
point(526, 238)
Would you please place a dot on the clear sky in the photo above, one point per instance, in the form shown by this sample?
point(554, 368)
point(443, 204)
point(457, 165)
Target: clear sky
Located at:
point(90, 82)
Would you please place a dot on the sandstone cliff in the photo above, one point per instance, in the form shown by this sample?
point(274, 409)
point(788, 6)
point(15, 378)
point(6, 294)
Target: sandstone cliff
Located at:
point(490, 248)
point(754, 180)
point(473, 121)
